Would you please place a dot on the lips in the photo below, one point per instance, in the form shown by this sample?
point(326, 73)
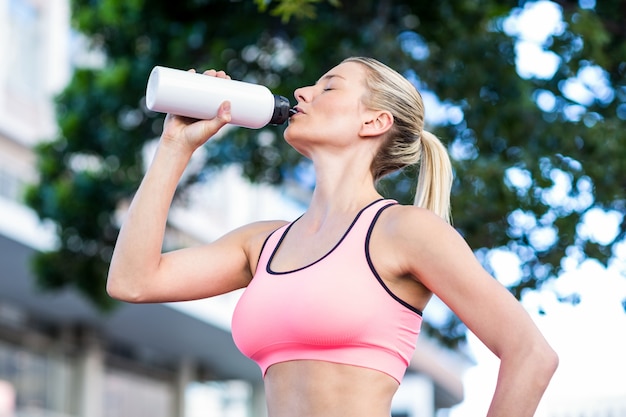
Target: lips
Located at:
point(295, 110)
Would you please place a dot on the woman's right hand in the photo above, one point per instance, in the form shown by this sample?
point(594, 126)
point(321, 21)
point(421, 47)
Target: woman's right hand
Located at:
point(189, 134)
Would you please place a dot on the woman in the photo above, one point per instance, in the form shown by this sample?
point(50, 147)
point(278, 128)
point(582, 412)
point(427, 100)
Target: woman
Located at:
point(333, 302)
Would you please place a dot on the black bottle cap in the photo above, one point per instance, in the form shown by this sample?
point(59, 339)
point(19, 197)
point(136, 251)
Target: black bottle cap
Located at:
point(281, 110)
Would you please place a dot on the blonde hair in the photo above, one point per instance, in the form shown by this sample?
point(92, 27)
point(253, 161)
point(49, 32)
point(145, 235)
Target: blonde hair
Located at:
point(407, 142)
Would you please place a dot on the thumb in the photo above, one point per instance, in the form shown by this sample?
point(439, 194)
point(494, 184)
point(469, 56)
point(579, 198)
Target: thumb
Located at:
point(212, 126)
point(223, 113)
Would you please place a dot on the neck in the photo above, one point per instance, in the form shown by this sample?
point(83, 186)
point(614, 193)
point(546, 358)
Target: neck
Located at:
point(341, 189)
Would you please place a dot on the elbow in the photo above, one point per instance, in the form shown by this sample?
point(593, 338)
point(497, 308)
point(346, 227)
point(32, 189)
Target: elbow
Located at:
point(114, 291)
point(117, 290)
point(546, 362)
point(550, 360)
point(534, 360)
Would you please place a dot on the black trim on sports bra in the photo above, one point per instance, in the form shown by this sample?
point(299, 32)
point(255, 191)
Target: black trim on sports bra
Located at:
point(280, 241)
point(371, 264)
point(267, 238)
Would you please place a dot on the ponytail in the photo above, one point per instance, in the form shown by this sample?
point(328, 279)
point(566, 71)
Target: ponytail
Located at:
point(434, 182)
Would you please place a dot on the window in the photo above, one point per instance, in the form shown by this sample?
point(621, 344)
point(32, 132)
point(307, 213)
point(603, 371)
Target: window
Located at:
point(127, 394)
point(40, 381)
point(23, 50)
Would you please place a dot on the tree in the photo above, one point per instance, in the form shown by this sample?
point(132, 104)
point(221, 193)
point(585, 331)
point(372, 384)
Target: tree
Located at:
point(509, 149)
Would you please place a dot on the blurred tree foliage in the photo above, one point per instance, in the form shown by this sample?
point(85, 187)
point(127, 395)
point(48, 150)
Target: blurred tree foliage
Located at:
point(510, 154)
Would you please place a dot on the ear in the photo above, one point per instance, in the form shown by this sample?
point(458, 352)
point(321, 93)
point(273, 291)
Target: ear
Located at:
point(376, 123)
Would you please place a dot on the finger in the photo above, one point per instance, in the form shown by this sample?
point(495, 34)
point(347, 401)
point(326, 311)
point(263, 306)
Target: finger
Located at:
point(222, 74)
point(218, 74)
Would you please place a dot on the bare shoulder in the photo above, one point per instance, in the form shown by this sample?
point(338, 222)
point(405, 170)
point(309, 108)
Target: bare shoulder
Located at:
point(422, 243)
point(252, 236)
point(416, 224)
point(263, 227)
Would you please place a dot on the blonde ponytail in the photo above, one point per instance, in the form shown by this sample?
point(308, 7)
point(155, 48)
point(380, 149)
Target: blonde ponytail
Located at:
point(434, 182)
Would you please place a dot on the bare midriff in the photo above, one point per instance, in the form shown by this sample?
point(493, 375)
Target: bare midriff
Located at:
point(306, 388)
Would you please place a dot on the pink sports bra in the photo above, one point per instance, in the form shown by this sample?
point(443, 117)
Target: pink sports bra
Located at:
point(336, 309)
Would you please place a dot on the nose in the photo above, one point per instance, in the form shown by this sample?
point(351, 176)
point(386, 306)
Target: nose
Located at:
point(302, 94)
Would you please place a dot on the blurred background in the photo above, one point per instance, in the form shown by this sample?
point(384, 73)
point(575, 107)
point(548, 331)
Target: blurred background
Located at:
point(529, 96)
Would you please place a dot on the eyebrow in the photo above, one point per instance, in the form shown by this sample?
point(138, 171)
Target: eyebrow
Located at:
point(329, 76)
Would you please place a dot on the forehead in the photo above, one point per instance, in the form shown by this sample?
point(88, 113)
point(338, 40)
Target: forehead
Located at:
point(348, 71)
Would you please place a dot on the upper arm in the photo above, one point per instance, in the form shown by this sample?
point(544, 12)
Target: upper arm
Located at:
point(221, 266)
point(441, 260)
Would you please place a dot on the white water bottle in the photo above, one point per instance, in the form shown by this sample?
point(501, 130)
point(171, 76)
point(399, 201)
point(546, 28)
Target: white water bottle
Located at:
point(199, 96)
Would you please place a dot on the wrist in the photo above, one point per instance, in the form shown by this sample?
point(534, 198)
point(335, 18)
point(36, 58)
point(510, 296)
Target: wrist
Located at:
point(175, 148)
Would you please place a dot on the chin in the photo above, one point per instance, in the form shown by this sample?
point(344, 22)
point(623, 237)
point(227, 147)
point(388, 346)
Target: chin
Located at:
point(296, 141)
point(290, 133)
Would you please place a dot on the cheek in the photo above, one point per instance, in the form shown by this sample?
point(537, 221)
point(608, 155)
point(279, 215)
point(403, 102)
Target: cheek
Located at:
point(334, 121)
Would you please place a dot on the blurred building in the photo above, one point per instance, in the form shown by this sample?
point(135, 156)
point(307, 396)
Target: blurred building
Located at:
point(610, 405)
point(61, 357)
